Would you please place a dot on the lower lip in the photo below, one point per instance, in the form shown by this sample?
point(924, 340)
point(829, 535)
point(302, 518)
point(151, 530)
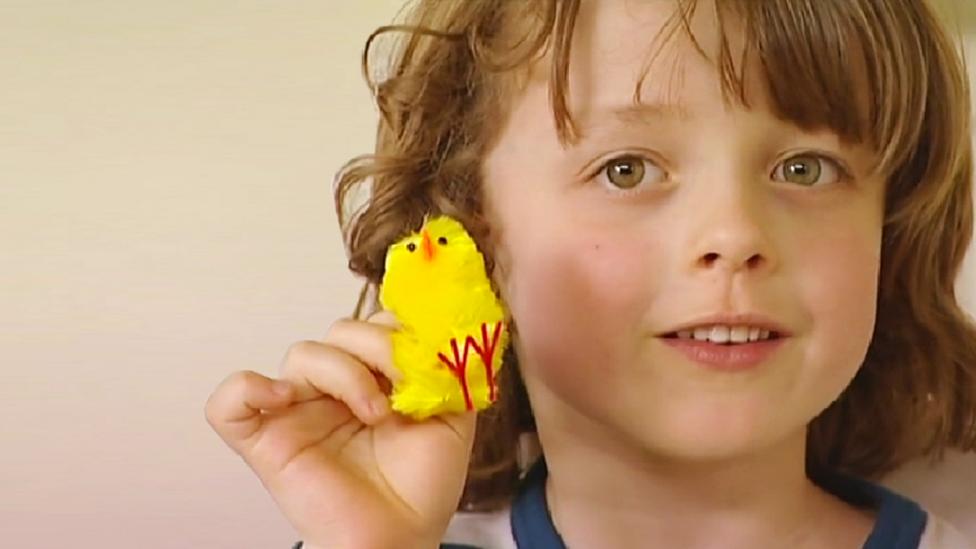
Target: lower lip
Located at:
point(732, 358)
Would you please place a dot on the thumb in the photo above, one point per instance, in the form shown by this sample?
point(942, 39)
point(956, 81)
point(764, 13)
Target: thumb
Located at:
point(463, 424)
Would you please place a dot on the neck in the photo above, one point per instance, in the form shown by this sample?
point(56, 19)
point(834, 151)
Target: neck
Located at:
point(607, 494)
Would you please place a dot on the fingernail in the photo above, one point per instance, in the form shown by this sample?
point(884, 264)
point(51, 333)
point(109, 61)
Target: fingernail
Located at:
point(379, 406)
point(397, 374)
point(386, 318)
point(281, 387)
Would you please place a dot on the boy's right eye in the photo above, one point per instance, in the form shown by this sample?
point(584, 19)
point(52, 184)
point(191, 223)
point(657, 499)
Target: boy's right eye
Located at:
point(630, 171)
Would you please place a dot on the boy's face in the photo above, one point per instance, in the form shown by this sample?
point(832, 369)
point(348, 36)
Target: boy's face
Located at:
point(662, 216)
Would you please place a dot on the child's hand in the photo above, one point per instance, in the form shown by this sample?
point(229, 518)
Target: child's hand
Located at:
point(345, 471)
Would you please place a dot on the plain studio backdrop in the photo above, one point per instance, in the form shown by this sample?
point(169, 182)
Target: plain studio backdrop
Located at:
point(166, 218)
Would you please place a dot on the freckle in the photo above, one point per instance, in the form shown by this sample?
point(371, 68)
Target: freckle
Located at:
point(596, 247)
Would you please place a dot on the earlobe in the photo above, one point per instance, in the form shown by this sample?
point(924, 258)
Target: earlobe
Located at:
point(499, 260)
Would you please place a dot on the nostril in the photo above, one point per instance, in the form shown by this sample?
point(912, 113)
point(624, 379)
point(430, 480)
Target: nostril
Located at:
point(710, 258)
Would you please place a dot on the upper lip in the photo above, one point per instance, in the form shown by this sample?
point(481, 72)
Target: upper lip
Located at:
point(753, 320)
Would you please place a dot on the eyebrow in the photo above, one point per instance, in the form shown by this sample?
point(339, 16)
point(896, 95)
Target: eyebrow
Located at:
point(636, 113)
point(642, 112)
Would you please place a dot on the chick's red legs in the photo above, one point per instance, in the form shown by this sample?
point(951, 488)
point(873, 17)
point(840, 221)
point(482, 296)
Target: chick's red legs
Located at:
point(485, 351)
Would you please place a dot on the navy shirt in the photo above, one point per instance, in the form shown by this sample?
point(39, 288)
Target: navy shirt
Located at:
point(899, 523)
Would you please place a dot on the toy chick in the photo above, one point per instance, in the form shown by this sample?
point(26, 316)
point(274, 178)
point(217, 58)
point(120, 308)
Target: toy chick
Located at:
point(453, 333)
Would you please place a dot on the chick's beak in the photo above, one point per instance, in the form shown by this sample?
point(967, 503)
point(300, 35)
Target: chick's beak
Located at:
point(426, 245)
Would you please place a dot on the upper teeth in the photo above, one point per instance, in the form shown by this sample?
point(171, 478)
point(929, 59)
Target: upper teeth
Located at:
point(725, 334)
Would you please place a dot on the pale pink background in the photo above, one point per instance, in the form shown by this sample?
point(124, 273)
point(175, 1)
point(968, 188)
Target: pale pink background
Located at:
point(166, 218)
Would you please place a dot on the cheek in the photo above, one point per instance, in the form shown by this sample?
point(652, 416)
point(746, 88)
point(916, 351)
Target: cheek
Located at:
point(840, 285)
point(578, 298)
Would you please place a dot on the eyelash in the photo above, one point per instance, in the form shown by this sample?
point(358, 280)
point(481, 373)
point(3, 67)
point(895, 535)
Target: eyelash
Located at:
point(843, 172)
point(618, 191)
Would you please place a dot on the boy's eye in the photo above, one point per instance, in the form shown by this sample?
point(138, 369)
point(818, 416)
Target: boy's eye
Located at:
point(807, 170)
point(627, 172)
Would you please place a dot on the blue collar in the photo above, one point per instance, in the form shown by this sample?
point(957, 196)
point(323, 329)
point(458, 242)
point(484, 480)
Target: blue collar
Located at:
point(899, 523)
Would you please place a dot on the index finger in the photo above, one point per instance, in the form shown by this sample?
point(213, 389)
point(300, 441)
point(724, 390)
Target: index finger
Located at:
point(370, 342)
point(234, 408)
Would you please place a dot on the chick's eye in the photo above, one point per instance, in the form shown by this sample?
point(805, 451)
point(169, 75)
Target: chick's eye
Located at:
point(411, 247)
point(808, 170)
point(627, 172)
point(442, 241)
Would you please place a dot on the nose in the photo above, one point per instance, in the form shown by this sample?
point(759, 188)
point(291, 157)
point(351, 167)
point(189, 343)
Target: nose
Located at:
point(731, 232)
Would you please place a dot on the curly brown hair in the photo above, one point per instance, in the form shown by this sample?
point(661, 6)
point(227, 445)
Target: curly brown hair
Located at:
point(453, 66)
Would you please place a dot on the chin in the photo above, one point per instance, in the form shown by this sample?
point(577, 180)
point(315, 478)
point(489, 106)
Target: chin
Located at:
point(697, 436)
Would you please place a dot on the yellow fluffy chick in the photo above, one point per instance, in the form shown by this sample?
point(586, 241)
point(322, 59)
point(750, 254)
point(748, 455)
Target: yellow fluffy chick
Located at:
point(453, 334)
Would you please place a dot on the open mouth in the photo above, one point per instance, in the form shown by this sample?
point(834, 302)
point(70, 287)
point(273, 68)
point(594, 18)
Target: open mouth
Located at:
point(726, 335)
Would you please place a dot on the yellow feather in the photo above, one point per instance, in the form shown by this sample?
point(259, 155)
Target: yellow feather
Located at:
point(436, 285)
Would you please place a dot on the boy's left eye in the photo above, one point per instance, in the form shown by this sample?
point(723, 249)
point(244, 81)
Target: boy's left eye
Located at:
point(808, 169)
